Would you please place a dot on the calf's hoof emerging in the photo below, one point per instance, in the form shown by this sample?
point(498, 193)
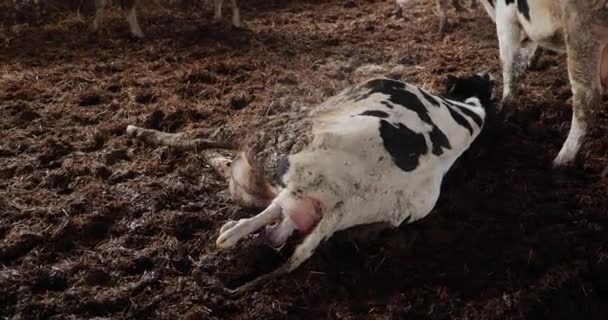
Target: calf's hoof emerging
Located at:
point(229, 235)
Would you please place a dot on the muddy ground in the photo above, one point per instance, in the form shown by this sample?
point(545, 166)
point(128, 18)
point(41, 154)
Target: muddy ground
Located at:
point(94, 225)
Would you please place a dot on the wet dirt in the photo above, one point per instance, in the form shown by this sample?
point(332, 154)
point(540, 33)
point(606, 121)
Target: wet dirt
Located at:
point(95, 225)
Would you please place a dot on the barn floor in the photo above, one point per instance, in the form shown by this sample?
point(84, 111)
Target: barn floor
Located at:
point(94, 225)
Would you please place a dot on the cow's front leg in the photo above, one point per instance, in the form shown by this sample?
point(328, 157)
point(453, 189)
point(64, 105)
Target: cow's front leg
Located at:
point(509, 42)
point(236, 15)
point(217, 7)
point(133, 23)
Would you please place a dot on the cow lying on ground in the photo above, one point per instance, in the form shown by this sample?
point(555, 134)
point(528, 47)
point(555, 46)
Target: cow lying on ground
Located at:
point(577, 27)
point(375, 153)
point(130, 8)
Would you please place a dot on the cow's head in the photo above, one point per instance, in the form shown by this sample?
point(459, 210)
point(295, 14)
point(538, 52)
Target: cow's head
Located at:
point(479, 85)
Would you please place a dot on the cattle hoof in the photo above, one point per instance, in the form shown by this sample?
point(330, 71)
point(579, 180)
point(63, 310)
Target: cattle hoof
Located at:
point(563, 159)
point(93, 36)
point(508, 114)
point(137, 36)
point(236, 23)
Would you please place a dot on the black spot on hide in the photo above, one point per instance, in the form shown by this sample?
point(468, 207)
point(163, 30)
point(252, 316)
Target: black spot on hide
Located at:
point(522, 7)
point(398, 94)
point(374, 113)
point(460, 120)
point(404, 145)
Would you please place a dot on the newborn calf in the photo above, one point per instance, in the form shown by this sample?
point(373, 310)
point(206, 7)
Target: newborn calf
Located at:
point(376, 152)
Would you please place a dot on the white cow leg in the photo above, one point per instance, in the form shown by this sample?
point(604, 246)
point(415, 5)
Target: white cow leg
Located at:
point(133, 23)
point(236, 15)
point(509, 43)
point(217, 7)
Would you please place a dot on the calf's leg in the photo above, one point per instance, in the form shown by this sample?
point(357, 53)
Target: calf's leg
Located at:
point(232, 232)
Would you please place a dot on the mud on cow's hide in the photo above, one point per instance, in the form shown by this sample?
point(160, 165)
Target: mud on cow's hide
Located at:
point(375, 153)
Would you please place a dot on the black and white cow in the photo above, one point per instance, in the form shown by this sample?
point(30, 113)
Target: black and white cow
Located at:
point(375, 153)
point(130, 8)
point(577, 27)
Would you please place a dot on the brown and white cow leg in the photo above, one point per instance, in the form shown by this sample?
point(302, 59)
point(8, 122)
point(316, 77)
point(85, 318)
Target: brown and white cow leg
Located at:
point(236, 15)
point(584, 72)
point(132, 20)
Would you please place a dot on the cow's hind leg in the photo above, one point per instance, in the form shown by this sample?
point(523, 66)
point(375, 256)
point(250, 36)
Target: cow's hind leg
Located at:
point(584, 58)
point(302, 252)
point(177, 140)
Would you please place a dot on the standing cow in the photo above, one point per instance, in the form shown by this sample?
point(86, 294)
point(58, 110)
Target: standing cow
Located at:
point(130, 8)
point(442, 8)
point(375, 153)
point(576, 27)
